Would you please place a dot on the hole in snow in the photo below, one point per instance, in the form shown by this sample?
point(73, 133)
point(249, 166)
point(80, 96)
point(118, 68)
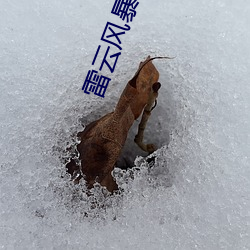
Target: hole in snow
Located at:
point(157, 132)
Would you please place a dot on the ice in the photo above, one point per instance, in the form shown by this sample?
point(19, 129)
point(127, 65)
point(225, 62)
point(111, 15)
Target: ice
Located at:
point(197, 194)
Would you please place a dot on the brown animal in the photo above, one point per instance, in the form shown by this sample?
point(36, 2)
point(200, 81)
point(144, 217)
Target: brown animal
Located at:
point(102, 140)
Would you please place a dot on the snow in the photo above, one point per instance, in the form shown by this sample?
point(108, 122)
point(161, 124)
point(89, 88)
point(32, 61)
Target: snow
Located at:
point(196, 196)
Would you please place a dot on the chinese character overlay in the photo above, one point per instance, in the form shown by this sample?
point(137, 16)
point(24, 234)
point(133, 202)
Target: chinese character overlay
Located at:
point(111, 27)
point(104, 61)
point(125, 9)
point(98, 84)
point(95, 83)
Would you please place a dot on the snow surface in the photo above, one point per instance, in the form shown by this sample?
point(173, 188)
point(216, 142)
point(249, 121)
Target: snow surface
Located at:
point(197, 195)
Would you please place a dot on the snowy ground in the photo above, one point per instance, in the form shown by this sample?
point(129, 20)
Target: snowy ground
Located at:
point(197, 196)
